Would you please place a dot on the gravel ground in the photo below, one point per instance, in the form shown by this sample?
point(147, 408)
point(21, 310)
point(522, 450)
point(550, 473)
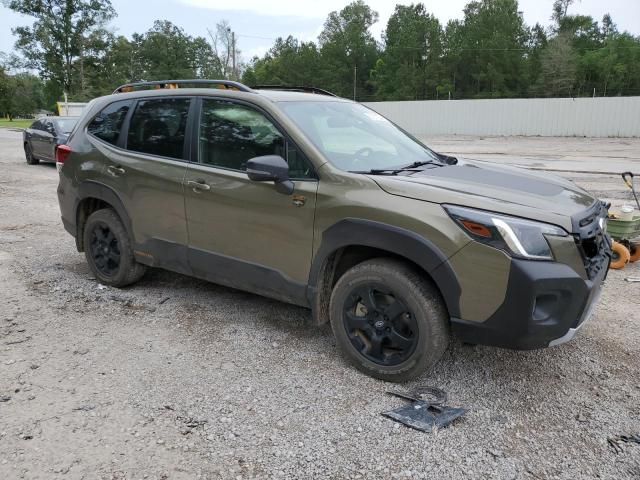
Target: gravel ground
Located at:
point(175, 378)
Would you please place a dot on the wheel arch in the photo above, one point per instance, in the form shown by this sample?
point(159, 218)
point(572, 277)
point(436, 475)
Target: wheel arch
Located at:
point(352, 241)
point(93, 196)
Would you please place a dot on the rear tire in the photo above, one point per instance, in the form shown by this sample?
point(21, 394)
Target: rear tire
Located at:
point(28, 153)
point(389, 321)
point(108, 250)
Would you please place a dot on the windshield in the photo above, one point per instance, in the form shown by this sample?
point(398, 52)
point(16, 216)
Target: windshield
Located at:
point(355, 138)
point(66, 125)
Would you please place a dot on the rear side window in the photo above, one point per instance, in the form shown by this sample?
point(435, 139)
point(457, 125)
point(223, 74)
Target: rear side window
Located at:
point(107, 124)
point(158, 127)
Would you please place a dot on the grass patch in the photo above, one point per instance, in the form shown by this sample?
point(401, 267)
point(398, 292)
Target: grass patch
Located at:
point(16, 123)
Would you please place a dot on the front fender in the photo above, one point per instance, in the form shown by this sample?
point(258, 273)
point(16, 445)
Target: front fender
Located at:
point(398, 241)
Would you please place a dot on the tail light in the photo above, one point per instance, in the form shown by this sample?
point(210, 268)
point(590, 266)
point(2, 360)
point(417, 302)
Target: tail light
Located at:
point(62, 153)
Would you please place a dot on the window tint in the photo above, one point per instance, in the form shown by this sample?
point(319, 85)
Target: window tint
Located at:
point(230, 134)
point(158, 127)
point(37, 125)
point(107, 124)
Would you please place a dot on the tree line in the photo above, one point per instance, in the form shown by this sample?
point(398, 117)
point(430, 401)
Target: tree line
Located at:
point(489, 53)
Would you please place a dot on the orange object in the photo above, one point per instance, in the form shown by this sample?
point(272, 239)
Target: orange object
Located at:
point(477, 228)
point(621, 256)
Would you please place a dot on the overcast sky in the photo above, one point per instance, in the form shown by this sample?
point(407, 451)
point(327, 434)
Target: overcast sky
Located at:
point(258, 22)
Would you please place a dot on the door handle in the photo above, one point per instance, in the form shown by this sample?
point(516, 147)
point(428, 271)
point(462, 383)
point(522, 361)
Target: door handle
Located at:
point(115, 171)
point(198, 185)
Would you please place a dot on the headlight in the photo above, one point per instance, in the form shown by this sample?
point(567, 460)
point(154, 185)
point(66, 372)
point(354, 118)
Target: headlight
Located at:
point(518, 237)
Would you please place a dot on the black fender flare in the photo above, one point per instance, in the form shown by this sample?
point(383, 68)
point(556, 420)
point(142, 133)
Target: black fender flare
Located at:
point(399, 241)
point(91, 189)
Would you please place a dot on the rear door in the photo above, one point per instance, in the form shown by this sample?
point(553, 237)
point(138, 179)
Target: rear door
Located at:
point(36, 138)
point(48, 141)
point(242, 233)
point(146, 169)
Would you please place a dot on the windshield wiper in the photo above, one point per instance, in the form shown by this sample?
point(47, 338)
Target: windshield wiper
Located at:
point(385, 171)
point(394, 171)
point(421, 164)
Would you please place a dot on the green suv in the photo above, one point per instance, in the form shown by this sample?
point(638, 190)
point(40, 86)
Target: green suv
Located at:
point(318, 201)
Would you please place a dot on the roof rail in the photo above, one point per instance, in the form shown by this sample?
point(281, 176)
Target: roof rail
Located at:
point(226, 84)
point(316, 90)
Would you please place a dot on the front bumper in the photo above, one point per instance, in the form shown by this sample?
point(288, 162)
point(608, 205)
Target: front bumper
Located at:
point(546, 303)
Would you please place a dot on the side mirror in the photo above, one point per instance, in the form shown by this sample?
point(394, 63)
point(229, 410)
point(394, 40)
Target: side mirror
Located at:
point(271, 168)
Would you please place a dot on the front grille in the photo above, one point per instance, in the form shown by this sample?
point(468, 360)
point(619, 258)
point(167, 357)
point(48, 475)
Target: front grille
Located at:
point(592, 240)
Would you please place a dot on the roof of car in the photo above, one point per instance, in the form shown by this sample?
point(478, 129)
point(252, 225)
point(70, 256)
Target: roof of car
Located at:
point(275, 93)
point(293, 96)
point(270, 94)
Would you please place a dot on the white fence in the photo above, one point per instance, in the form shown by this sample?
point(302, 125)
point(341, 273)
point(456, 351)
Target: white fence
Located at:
point(557, 117)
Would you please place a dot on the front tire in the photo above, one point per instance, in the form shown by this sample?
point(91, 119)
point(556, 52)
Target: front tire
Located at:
point(108, 250)
point(28, 153)
point(389, 321)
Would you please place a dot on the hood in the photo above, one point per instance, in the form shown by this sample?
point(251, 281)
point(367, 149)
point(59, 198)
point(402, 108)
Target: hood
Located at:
point(491, 186)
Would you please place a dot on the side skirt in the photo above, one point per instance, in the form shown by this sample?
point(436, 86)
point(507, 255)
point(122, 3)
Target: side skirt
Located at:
point(222, 270)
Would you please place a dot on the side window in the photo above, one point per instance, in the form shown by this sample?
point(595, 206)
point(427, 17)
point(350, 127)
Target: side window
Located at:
point(298, 164)
point(36, 125)
point(107, 124)
point(230, 134)
point(158, 127)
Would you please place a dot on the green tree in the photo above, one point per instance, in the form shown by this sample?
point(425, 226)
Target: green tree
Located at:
point(536, 45)
point(558, 68)
point(56, 39)
point(5, 93)
point(410, 66)
point(492, 50)
point(167, 52)
point(20, 94)
point(288, 62)
point(348, 50)
point(613, 69)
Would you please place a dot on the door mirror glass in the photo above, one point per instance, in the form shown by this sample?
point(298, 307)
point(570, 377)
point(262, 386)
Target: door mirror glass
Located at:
point(270, 168)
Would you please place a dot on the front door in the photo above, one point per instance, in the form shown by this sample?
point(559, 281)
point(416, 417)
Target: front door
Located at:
point(242, 233)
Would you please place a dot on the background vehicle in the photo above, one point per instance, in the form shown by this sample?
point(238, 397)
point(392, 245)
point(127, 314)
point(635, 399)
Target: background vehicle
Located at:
point(42, 138)
point(321, 202)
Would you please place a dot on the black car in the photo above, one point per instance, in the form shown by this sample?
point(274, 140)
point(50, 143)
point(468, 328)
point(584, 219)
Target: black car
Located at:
point(42, 138)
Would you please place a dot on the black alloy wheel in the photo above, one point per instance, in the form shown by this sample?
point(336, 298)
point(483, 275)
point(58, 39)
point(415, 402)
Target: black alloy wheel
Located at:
point(104, 249)
point(380, 325)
